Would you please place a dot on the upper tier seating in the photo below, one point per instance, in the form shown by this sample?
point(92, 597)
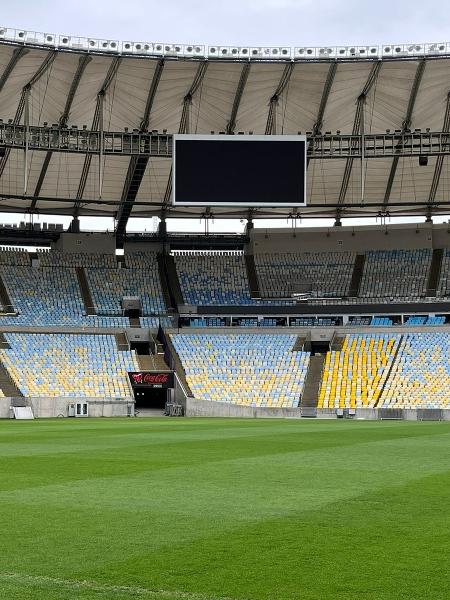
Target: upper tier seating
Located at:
point(244, 369)
point(68, 365)
point(56, 258)
point(354, 376)
point(329, 273)
point(109, 286)
point(396, 273)
point(420, 376)
point(213, 278)
point(443, 288)
point(44, 296)
point(14, 257)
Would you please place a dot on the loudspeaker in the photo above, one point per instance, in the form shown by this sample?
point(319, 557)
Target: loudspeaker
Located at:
point(423, 161)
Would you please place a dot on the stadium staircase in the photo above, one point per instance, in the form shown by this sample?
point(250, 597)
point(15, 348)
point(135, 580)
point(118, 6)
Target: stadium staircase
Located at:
point(164, 282)
point(7, 385)
point(337, 343)
point(299, 343)
point(388, 377)
point(85, 291)
point(313, 379)
point(152, 362)
point(5, 300)
point(252, 278)
point(435, 272)
point(122, 342)
point(357, 274)
point(172, 280)
point(177, 365)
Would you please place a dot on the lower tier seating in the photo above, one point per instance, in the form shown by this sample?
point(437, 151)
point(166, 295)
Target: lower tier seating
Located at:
point(246, 369)
point(68, 365)
point(354, 376)
point(420, 376)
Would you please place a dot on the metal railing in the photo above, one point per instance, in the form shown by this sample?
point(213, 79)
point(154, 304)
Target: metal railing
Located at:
point(329, 145)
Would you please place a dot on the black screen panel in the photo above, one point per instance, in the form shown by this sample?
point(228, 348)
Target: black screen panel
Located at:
point(239, 170)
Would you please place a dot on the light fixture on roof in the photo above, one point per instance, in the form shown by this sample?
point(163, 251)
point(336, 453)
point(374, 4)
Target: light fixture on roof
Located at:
point(64, 40)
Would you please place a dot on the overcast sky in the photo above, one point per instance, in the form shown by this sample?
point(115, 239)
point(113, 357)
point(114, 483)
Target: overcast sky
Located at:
point(237, 22)
point(233, 22)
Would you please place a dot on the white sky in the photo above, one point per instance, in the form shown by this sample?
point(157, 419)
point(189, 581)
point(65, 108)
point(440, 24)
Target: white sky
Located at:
point(231, 22)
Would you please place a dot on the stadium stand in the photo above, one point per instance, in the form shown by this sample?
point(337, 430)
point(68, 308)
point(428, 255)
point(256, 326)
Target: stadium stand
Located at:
point(245, 369)
point(329, 273)
point(43, 296)
point(420, 375)
point(354, 376)
point(443, 289)
point(56, 258)
point(396, 273)
point(109, 286)
point(213, 278)
point(68, 365)
point(14, 257)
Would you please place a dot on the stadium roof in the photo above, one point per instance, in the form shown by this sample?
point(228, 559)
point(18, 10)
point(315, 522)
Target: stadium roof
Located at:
point(110, 86)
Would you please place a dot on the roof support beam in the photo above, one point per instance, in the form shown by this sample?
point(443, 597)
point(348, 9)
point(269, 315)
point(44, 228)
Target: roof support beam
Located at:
point(317, 127)
point(112, 71)
point(138, 164)
point(83, 61)
point(184, 122)
point(44, 66)
point(16, 56)
point(439, 161)
point(405, 125)
point(231, 125)
point(271, 125)
point(358, 127)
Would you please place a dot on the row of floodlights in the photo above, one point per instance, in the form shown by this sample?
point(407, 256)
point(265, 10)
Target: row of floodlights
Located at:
point(190, 50)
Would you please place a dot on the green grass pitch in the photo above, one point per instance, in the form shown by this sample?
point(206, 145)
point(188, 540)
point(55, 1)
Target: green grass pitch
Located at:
point(202, 509)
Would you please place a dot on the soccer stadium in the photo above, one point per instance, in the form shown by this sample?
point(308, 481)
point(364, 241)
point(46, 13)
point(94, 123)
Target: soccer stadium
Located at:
point(198, 414)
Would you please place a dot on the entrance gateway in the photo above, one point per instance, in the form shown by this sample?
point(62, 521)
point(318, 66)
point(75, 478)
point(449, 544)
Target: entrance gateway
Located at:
point(152, 389)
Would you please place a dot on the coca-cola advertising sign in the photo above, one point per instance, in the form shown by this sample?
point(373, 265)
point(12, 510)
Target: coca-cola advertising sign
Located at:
point(151, 379)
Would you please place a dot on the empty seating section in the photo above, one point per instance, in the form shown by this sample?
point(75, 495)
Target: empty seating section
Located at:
point(381, 322)
point(109, 286)
point(325, 273)
point(208, 322)
point(354, 376)
point(44, 296)
point(443, 289)
point(420, 376)
point(245, 369)
point(14, 257)
point(68, 365)
point(56, 258)
point(360, 321)
point(213, 278)
point(396, 273)
point(155, 322)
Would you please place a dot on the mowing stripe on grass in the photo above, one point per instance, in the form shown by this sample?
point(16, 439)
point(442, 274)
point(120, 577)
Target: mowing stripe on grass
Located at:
point(105, 588)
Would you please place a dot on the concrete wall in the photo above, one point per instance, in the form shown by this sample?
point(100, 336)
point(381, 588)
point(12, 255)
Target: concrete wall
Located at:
point(356, 239)
point(86, 243)
point(59, 407)
point(204, 408)
point(133, 247)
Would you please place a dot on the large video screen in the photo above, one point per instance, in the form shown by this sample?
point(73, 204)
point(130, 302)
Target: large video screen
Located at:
point(239, 170)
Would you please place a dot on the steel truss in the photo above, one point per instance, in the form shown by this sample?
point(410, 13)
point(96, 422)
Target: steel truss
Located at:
point(84, 141)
